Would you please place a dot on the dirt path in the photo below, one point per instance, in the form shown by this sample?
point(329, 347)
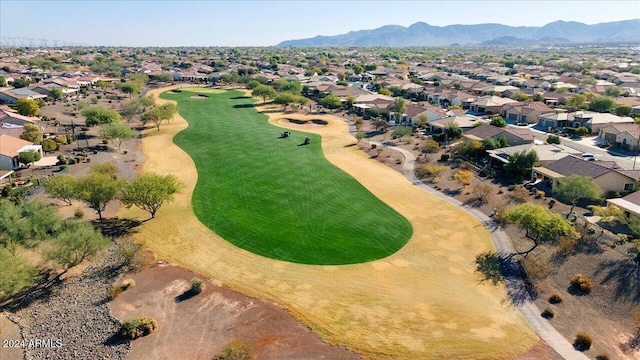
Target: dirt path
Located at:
point(422, 302)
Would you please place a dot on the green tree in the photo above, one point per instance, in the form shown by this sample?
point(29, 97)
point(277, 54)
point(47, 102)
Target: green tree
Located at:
point(146, 101)
point(97, 190)
point(422, 120)
point(117, 133)
point(553, 139)
point(31, 133)
point(130, 88)
point(601, 104)
point(158, 114)
point(76, 242)
point(493, 143)
point(15, 273)
point(623, 110)
point(140, 78)
point(498, 121)
point(149, 191)
point(384, 91)
point(28, 157)
point(452, 130)
point(100, 116)
point(130, 110)
point(265, 92)
point(3, 81)
point(285, 99)
point(27, 107)
point(576, 102)
point(401, 132)
point(572, 188)
point(294, 87)
point(164, 78)
point(26, 224)
point(49, 145)
point(56, 94)
point(541, 225)
point(521, 163)
point(520, 96)
point(61, 187)
point(330, 101)
point(613, 91)
point(398, 108)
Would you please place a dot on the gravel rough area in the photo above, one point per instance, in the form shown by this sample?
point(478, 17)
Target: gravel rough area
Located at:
point(76, 314)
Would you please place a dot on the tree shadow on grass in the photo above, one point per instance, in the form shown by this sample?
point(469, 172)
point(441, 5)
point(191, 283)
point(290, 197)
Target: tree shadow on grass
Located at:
point(117, 227)
point(624, 275)
point(240, 97)
point(505, 268)
point(240, 106)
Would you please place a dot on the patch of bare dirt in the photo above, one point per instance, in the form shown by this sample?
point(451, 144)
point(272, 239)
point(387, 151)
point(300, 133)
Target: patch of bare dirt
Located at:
point(197, 327)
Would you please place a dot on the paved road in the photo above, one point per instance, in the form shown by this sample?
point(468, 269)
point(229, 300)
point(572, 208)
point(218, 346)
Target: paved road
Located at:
point(528, 308)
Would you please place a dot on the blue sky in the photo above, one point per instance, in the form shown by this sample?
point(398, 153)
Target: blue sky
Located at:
point(265, 23)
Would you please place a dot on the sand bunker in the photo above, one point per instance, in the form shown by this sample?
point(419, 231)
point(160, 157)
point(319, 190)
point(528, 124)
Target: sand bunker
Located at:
point(304, 123)
point(199, 96)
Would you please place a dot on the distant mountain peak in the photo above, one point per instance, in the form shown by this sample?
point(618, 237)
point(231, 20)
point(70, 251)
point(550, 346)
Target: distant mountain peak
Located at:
point(423, 34)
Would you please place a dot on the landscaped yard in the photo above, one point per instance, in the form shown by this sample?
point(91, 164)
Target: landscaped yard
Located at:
point(276, 197)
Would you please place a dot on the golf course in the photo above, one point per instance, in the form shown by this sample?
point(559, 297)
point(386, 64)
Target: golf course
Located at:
point(274, 195)
point(346, 244)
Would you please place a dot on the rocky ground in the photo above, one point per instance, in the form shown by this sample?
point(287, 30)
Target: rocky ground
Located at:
point(75, 317)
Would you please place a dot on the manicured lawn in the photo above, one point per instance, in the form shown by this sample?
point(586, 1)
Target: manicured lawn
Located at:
point(274, 198)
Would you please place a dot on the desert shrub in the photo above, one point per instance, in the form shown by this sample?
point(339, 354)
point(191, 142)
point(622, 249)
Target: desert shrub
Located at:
point(95, 99)
point(555, 299)
point(581, 284)
point(197, 286)
point(131, 253)
point(115, 291)
point(135, 328)
point(482, 190)
point(519, 194)
point(463, 177)
point(548, 313)
point(62, 167)
point(430, 147)
point(551, 203)
point(127, 284)
point(429, 170)
point(536, 268)
point(236, 350)
point(61, 139)
point(540, 194)
point(79, 213)
point(567, 244)
point(583, 341)
point(49, 145)
point(444, 157)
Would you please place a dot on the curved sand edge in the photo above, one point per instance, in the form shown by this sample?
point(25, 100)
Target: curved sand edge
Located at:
point(422, 302)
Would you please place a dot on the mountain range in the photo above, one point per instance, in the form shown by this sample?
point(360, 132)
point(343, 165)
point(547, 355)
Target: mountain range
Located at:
point(423, 34)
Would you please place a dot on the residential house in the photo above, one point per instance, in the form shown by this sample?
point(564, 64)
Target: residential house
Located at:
point(592, 120)
point(524, 113)
point(626, 136)
point(10, 147)
point(8, 116)
point(630, 204)
point(412, 112)
point(465, 122)
point(547, 153)
point(489, 105)
point(513, 135)
point(10, 96)
point(605, 174)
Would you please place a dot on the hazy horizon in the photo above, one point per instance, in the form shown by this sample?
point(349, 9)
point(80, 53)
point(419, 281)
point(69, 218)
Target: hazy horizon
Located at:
point(267, 23)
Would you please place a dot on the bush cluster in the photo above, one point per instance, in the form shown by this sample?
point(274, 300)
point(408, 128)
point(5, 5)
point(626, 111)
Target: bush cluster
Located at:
point(581, 283)
point(135, 328)
point(548, 313)
point(583, 341)
point(555, 299)
point(197, 286)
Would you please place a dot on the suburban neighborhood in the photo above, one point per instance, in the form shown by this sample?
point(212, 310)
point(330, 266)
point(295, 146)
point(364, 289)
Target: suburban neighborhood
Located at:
point(508, 173)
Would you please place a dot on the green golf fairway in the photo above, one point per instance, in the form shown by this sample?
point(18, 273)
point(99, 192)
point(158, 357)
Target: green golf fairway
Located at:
point(274, 198)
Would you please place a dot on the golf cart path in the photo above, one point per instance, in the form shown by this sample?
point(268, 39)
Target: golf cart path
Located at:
point(528, 308)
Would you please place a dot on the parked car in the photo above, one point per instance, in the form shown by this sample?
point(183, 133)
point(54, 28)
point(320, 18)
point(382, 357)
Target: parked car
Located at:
point(588, 157)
